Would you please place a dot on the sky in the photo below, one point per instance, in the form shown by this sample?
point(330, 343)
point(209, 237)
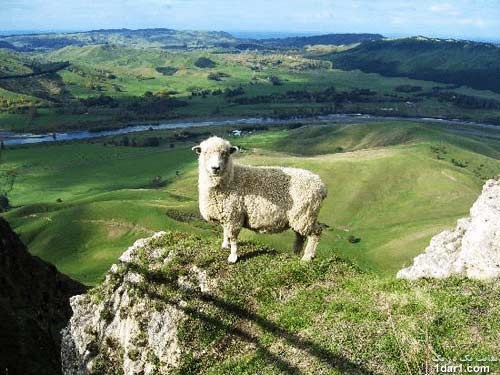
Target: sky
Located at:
point(473, 19)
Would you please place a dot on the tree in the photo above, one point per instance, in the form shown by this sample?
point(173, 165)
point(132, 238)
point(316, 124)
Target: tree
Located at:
point(125, 141)
point(204, 62)
point(276, 81)
point(32, 114)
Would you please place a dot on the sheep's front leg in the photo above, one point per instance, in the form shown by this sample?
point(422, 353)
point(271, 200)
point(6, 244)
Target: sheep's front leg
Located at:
point(233, 241)
point(312, 243)
point(225, 239)
point(310, 250)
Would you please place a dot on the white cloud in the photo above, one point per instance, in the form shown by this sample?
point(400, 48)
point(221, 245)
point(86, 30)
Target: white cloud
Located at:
point(445, 8)
point(476, 21)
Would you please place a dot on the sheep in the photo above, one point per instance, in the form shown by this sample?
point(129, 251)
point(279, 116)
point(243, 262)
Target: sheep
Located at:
point(262, 199)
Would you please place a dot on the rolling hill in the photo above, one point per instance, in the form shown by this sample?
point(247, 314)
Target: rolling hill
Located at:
point(457, 62)
point(392, 184)
point(25, 80)
point(13, 64)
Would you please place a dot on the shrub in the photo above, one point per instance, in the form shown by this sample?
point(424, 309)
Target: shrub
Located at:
point(151, 142)
point(157, 182)
point(125, 141)
point(204, 62)
point(353, 239)
point(217, 76)
point(460, 163)
point(276, 81)
point(166, 70)
point(407, 88)
point(228, 93)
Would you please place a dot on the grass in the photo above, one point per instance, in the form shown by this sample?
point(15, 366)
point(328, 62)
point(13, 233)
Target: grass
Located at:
point(272, 314)
point(387, 187)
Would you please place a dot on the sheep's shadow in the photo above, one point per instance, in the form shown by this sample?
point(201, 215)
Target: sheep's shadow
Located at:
point(256, 253)
point(333, 360)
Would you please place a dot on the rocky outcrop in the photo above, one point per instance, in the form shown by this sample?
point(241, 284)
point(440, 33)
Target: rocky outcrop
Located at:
point(130, 322)
point(472, 249)
point(34, 306)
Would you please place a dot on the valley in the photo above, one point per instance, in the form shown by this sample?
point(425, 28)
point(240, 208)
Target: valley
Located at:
point(96, 81)
point(393, 184)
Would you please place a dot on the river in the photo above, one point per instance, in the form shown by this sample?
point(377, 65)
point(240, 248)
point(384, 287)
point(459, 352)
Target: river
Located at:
point(458, 126)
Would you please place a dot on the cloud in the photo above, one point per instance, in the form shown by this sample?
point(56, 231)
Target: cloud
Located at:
point(445, 9)
point(476, 21)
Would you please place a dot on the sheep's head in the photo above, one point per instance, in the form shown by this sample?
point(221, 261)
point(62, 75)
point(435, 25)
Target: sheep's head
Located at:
point(215, 157)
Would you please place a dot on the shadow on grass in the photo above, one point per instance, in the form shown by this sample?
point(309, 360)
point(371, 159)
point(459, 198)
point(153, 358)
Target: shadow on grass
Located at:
point(329, 358)
point(256, 253)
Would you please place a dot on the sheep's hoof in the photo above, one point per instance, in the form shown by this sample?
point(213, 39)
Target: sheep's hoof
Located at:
point(307, 258)
point(232, 258)
point(225, 245)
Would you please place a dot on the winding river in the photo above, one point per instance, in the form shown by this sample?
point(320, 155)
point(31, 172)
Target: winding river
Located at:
point(458, 126)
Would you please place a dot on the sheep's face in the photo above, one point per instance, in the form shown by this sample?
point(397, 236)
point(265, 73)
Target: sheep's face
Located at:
point(215, 156)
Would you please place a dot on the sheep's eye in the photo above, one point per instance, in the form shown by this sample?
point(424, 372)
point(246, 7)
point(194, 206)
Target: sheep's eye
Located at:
point(224, 154)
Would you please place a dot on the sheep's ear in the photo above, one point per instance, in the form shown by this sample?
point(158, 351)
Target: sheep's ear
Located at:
point(196, 149)
point(233, 149)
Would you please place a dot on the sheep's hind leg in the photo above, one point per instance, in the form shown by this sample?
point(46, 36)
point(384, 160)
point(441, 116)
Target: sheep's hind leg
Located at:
point(298, 244)
point(233, 241)
point(312, 244)
point(225, 240)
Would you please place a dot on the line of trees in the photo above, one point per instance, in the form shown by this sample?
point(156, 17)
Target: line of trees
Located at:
point(328, 95)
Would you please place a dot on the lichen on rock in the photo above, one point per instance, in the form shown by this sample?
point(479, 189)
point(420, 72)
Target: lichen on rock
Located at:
point(128, 324)
point(472, 249)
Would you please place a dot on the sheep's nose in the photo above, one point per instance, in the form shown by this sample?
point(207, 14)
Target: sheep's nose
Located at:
point(216, 169)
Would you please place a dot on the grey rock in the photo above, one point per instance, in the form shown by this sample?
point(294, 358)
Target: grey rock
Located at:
point(125, 323)
point(472, 249)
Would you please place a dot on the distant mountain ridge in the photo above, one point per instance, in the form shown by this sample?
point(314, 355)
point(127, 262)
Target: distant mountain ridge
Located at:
point(168, 38)
point(461, 62)
point(141, 38)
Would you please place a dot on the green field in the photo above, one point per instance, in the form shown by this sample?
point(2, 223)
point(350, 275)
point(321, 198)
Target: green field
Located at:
point(392, 184)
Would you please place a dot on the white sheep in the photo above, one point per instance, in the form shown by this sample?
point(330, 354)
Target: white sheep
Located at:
point(263, 199)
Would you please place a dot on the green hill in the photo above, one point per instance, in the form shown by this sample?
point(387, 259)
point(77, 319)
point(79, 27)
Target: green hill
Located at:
point(12, 64)
point(25, 80)
point(393, 185)
point(449, 61)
